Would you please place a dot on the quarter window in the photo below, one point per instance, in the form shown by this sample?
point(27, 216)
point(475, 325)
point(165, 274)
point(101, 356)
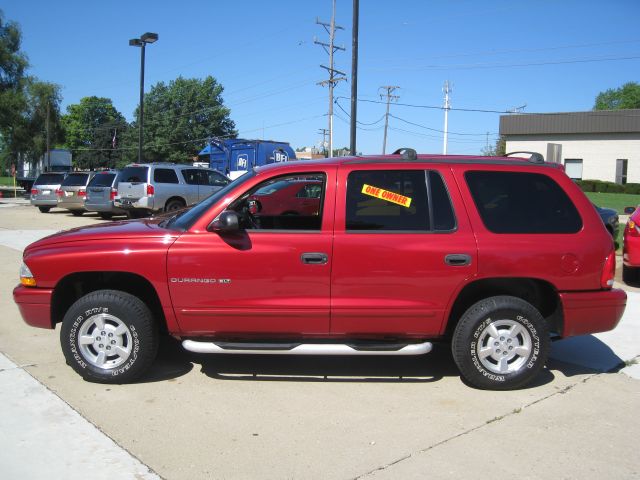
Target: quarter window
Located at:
point(518, 202)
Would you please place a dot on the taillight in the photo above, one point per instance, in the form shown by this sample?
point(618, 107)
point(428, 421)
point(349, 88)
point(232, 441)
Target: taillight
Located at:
point(82, 193)
point(34, 191)
point(58, 192)
point(608, 271)
point(150, 189)
point(112, 196)
point(633, 229)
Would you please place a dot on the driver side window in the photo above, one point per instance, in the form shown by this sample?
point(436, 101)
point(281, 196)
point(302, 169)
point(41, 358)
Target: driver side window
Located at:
point(277, 204)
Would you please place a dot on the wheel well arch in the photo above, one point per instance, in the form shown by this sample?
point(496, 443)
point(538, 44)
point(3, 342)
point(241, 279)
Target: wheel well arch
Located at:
point(175, 198)
point(539, 293)
point(76, 285)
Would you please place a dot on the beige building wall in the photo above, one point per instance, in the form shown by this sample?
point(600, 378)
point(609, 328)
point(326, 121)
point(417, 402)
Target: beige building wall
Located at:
point(598, 152)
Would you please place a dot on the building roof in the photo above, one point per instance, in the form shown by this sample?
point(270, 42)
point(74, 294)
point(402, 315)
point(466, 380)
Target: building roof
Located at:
point(598, 121)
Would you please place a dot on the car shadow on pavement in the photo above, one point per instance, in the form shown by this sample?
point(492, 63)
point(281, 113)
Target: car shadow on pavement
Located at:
point(583, 355)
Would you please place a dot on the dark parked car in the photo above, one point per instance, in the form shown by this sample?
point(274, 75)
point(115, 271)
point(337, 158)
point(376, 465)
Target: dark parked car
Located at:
point(610, 219)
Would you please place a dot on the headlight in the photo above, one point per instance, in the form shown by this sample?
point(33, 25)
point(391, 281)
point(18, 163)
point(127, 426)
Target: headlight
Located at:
point(26, 277)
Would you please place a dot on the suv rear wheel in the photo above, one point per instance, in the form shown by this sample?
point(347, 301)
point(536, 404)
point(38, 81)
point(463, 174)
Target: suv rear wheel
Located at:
point(501, 343)
point(174, 204)
point(109, 336)
point(44, 209)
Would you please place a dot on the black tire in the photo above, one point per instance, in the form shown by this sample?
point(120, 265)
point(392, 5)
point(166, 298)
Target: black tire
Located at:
point(105, 215)
point(526, 347)
point(110, 311)
point(629, 274)
point(44, 209)
point(174, 204)
point(77, 213)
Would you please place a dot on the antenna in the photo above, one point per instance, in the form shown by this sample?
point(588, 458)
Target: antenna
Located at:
point(447, 89)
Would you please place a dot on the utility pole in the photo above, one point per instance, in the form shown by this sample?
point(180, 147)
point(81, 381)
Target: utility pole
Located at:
point(354, 76)
point(324, 132)
point(333, 79)
point(390, 97)
point(48, 140)
point(447, 107)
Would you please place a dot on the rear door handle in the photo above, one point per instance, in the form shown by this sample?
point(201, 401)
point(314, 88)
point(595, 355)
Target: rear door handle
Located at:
point(457, 259)
point(314, 258)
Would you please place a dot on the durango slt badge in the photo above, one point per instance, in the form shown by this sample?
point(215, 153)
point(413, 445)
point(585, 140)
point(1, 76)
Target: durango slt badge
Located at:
point(200, 280)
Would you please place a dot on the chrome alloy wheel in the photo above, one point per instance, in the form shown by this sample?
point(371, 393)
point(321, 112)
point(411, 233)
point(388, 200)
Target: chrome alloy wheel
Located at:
point(504, 346)
point(105, 341)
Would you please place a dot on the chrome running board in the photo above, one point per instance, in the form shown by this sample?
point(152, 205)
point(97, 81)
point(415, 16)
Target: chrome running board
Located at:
point(306, 348)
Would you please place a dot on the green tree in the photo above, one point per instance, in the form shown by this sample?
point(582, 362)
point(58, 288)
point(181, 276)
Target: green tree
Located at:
point(13, 64)
point(499, 149)
point(90, 127)
point(179, 117)
point(625, 97)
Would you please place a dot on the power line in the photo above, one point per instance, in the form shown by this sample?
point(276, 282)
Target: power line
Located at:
point(440, 131)
point(361, 123)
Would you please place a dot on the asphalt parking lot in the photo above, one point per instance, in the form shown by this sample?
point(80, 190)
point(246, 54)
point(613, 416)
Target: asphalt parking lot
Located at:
point(198, 416)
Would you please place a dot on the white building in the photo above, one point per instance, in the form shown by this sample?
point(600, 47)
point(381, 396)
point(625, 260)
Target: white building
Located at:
point(596, 145)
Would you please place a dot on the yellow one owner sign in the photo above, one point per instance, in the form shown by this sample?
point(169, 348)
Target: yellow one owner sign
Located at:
point(386, 195)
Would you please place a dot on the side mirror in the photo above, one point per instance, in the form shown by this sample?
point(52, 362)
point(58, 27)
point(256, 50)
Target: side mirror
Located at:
point(629, 210)
point(227, 221)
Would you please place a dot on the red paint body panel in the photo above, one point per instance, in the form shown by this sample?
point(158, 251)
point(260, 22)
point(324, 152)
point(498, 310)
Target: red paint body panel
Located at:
point(592, 312)
point(34, 305)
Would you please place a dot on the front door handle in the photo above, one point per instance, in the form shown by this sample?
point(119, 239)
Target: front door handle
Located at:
point(314, 258)
point(457, 259)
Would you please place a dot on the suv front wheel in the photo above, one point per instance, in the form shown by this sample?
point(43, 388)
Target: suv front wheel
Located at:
point(109, 336)
point(500, 343)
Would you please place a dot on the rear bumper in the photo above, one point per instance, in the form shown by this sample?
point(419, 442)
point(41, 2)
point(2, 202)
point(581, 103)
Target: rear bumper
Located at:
point(592, 312)
point(73, 205)
point(44, 202)
point(103, 208)
point(34, 305)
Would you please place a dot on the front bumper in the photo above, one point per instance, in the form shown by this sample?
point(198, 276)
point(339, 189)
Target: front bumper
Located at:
point(34, 305)
point(592, 312)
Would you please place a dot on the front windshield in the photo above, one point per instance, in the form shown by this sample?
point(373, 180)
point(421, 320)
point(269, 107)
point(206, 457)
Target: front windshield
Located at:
point(185, 220)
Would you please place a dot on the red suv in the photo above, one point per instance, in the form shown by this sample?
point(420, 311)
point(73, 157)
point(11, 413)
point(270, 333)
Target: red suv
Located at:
point(494, 254)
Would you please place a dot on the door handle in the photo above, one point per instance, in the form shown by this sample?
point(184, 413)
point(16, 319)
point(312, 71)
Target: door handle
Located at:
point(314, 258)
point(457, 259)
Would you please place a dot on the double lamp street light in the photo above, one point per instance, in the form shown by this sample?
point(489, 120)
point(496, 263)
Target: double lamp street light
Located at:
point(141, 42)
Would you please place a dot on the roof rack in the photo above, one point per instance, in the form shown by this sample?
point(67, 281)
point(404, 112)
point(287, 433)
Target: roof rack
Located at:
point(407, 153)
point(535, 157)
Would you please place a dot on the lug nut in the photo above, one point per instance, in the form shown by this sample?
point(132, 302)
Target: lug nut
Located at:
point(101, 346)
point(98, 338)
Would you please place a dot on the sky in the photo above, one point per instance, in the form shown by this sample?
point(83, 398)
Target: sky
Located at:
point(498, 55)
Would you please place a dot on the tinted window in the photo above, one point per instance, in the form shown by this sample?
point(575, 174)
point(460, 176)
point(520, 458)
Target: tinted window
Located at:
point(49, 179)
point(443, 217)
point(102, 180)
point(190, 176)
point(387, 200)
point(134, 174)
point(518, 202)
point(75, 180)
point(215, 179)
point(165, 175)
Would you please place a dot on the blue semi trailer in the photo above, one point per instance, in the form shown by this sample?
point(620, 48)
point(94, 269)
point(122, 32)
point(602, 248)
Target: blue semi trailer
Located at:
point(236, 156)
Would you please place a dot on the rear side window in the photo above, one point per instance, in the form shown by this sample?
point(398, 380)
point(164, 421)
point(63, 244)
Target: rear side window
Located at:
point(75, 180)
point(398, 200)
point(134, 174)
point(102, 180)
point(521, 202)
point(49, 179)
point(165, 175)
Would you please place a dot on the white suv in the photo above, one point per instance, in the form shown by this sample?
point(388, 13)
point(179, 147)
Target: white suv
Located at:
point(146, 188)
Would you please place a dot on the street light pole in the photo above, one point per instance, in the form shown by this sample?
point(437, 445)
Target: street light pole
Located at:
point(141, 42)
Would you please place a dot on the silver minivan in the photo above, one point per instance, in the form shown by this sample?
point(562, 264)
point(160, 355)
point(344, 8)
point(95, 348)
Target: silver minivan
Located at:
point(147, 188)
point(101, 193)
point(43, 191)
point(73, 190)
